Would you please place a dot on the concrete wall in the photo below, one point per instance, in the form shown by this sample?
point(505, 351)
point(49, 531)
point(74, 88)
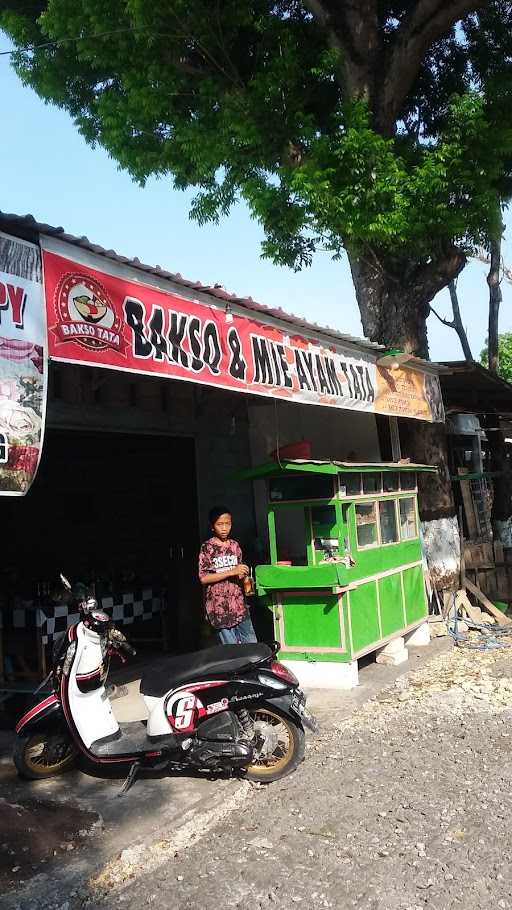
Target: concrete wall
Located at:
point(85, 398)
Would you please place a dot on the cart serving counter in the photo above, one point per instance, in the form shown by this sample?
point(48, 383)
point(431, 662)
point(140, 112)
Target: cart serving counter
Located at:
point(345, 575)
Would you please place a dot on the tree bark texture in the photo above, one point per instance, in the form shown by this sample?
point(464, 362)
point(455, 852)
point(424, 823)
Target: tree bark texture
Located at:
point(394, 297)
point(495, 298)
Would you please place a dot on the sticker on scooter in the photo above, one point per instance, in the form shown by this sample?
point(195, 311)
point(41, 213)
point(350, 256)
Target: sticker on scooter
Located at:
point(183, 711)
point(217, 706)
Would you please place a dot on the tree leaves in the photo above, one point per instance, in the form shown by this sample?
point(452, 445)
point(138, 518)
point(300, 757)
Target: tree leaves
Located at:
point(243, 98)
point(504, 355)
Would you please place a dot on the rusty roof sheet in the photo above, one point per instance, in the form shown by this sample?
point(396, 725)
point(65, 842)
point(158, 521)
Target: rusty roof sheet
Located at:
point(27, 224)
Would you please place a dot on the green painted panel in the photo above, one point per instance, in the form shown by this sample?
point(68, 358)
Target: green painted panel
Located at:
point(313, 621)
point(414, 591)
point(284, 577)
point(315, 657)
point(391, 609)
point(364, 616)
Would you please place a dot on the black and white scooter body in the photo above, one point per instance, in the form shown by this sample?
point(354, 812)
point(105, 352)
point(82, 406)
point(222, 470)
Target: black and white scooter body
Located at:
point(224, 708)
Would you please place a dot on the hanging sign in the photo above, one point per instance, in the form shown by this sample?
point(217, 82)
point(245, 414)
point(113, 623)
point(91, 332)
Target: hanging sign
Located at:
point(23, 364)
point(108, 319)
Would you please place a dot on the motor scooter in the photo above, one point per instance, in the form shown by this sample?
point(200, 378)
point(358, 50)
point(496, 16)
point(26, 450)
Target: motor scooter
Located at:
point(228, 708)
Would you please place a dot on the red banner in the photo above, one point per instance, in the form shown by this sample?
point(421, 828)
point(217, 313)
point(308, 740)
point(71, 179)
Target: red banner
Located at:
point(107, 320)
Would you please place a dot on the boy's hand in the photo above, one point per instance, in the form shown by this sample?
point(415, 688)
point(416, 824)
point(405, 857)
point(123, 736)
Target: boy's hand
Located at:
point(241, 571)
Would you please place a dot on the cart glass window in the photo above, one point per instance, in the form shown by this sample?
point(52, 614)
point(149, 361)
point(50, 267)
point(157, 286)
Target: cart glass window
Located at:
point(408, 519)
point(350, 484)
point(408, 480)
point(291, 536)
point(301, 486)
point(366, 524)
point(371, 483)
point(388, 522)
point(390, 481)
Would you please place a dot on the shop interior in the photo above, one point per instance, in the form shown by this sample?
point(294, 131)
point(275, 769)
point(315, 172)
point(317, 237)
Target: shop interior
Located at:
point(116, 513)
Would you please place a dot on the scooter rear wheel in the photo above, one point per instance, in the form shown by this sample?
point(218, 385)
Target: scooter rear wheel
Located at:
point(279, 746)
point(43, 755)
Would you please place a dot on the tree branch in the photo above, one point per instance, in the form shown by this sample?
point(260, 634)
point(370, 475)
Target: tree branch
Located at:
point(352, 29)
point(422, 26)
point(481, 255)
point(495, 298)
point(457, 321)
point(436, 274)
point(320, 13)
point(446, 322)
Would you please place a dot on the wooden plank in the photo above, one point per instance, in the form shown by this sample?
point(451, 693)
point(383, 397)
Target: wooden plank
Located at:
point(469, 508)
point(499, 555)
point(462, 600)
point(486, 603)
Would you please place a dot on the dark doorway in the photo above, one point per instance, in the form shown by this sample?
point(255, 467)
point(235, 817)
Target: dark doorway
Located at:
point(114, 510)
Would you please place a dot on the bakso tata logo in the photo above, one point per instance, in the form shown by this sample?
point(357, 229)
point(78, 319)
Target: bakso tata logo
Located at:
point(86, 315)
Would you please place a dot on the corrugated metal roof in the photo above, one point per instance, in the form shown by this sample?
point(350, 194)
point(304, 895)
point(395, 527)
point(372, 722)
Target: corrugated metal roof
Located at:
point(469, 387)
point(29, 224)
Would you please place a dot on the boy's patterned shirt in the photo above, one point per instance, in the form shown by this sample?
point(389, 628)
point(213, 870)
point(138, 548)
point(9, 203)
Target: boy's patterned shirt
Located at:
point(224, 600)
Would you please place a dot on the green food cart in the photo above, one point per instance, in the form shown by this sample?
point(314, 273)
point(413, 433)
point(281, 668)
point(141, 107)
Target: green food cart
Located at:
point(346, 572)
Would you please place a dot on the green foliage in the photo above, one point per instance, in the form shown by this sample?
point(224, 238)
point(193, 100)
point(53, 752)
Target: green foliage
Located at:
point(504, 355)
point(242, 98)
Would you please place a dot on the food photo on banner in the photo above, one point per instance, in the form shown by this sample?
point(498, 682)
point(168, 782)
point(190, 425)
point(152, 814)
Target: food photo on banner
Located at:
point(104, 317)
point(23, 364)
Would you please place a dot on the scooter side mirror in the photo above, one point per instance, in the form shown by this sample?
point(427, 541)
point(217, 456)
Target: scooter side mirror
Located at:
point(65, 582)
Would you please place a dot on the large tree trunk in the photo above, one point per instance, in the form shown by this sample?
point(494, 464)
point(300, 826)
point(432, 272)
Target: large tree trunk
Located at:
point(393, 312)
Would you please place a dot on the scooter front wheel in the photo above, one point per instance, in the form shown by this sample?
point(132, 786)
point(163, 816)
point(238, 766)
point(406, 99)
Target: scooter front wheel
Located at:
point(43, 755)
point(279, 746)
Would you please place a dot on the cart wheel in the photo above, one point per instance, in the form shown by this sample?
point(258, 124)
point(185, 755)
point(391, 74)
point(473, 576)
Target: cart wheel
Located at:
point(43, 755)
point(279, 746)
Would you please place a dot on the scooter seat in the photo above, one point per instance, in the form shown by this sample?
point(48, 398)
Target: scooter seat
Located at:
point(221, 659)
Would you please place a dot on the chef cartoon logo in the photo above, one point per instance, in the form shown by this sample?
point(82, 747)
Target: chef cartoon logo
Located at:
point(86, 315)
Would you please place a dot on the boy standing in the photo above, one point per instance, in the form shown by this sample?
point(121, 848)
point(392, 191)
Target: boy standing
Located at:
point(222, 571)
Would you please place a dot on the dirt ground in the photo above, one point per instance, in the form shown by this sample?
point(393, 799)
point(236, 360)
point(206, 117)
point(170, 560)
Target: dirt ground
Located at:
point(402, 804)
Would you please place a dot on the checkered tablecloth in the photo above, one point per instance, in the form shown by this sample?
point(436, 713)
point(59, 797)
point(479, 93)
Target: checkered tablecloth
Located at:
point(51, 621)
